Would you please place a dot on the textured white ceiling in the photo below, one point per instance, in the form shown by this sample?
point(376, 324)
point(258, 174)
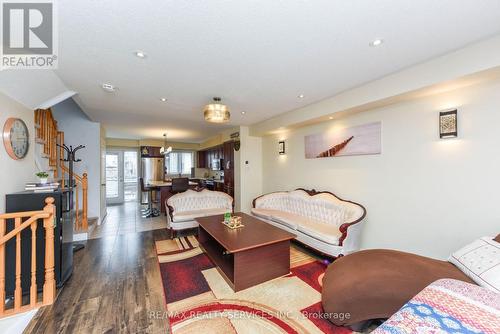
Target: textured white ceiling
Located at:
point(258, 55)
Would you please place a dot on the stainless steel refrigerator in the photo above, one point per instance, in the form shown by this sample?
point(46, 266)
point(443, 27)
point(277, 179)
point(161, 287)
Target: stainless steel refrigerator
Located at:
point(152, 169)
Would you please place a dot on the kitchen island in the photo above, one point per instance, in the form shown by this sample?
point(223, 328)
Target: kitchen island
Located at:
point(166, 190)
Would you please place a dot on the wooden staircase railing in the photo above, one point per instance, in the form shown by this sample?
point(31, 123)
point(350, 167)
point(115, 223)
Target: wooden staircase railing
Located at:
point(48, 134)
point(24, 220)
point(81, 218)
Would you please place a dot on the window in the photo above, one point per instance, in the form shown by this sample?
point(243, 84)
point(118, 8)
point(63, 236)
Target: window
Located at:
point(180, 163)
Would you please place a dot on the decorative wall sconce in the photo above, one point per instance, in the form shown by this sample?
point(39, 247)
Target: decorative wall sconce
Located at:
point(281, 147)
point(448, 124)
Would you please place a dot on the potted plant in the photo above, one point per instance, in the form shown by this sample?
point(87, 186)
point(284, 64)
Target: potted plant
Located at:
point(43, 176)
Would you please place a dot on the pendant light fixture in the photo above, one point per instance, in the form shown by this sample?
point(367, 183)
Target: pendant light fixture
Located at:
point(165, 149)
point(216, 112)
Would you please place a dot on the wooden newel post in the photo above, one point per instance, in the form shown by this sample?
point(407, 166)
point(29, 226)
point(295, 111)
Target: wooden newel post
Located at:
point(85, 186)
point(2, 268)
point(49, 286)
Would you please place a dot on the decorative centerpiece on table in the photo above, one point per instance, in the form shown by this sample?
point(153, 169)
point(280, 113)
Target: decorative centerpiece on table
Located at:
point(232, 222)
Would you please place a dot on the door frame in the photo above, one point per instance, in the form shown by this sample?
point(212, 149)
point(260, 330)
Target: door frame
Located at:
point(120, 199)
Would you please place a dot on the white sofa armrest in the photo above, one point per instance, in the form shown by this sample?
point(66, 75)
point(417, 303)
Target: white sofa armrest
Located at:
point(351, 237)
point(170, 214)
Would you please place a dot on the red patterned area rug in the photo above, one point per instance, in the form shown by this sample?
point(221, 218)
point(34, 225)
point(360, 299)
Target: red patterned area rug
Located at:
point(200, 301)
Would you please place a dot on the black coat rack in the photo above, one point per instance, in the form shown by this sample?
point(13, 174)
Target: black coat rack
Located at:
point(71, 158)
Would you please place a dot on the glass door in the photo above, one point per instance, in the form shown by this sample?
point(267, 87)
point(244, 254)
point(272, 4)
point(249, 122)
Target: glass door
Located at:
point(114, 178)
point(131, 175)
point(122, 174)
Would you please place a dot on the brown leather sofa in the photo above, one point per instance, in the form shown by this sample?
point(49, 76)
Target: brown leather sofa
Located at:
point(374, 284)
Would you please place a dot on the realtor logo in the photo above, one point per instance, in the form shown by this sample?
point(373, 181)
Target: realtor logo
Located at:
point(29, 39)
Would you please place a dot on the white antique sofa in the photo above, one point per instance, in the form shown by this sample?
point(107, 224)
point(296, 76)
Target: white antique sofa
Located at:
point(183, 208)
point(320, 220)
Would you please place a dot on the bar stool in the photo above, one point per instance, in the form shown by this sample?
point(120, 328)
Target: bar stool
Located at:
point(180, 185)
point(150, 211)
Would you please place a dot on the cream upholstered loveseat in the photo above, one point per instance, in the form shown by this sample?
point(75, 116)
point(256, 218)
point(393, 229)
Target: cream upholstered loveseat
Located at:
point(320, 220)
point(183, 208)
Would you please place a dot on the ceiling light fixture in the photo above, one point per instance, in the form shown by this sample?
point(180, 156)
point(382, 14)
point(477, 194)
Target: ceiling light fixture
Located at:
point(376, 42)
point(243, 112)
point(108, 87)
point(163, 99)
point(165, 150)
point(301, 96)
point(331, 117)
point(140, 54)
point(216, 112)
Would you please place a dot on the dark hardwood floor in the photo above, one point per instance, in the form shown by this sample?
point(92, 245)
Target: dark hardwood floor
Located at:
point(115, 286)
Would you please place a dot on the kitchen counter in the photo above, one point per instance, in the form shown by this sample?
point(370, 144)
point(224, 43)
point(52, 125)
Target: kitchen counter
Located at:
point(209, 179)
point(166, 183)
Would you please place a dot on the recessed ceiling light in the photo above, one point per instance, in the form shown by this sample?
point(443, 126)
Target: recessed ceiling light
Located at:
point(376, 42)
point(140, 54)
point(243, 112)
point(301, 96)
point(163, 99)
point(109, 87)
point(331, 117)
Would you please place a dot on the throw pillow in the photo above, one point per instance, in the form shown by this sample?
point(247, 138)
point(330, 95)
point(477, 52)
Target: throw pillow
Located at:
point(480, 260)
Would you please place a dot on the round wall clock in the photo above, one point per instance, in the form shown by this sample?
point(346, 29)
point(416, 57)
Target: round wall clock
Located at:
point(16, 138)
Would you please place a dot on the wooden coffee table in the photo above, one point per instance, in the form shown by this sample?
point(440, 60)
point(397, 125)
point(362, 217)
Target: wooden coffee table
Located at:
point(247, 256)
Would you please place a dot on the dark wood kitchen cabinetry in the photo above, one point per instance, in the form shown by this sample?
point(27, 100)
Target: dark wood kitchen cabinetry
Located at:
point(219, 186)
point(205, 157)
point(225, 152)
point(202, 159)
point(151, 152)
point(228, 150)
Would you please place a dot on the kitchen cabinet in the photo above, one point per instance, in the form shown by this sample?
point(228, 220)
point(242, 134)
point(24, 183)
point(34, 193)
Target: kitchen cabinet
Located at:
point(205, 157)
point(211, 155)
point(219, 186)
point(151, 152)
point(228, 150)
point(225, 152)
point(202, 159)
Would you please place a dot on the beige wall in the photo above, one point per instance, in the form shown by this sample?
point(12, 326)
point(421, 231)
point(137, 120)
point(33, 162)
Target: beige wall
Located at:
point(216, 140)
point(422, 194)
point(117, 142)
point(248, 170)
point(15, 173)
point(219, 139)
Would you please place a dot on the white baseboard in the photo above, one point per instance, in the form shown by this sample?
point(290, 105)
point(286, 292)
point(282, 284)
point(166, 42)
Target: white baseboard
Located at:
point(80, 236)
